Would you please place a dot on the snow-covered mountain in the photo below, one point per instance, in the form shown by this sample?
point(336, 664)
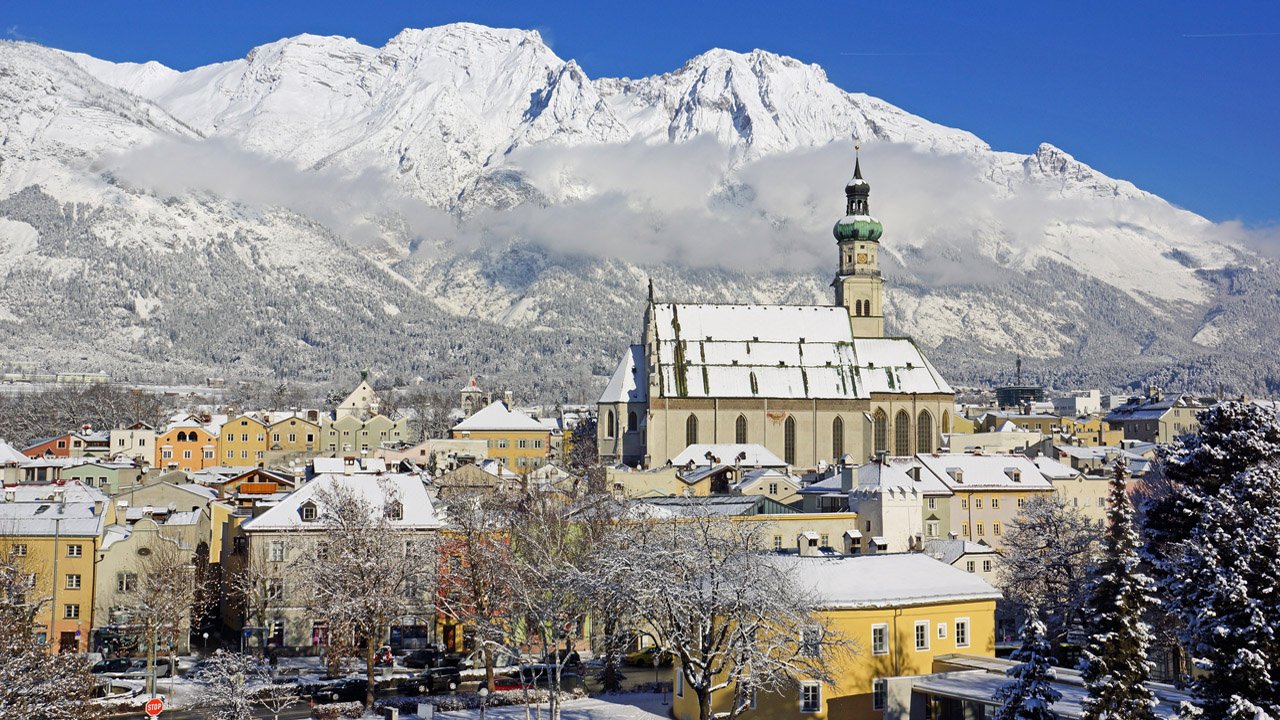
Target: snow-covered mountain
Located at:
point(461, 200)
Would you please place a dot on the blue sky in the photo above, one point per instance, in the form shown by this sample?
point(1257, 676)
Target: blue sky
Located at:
point(1181, 98)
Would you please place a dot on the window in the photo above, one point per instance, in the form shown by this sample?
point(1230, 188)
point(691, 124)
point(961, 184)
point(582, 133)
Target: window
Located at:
point(964, 529)
point(789, 440)
point(773, 488)
point(75, 550)
point(275, 437)
point(986, 566)
point(395, 511)
point(942, 631)
point(244, 454)
point(964, 503)
point(777, 542)
point(824, 540)
point(73, 581)
point(522, 444)
point(932, 503)
point(881, 431)
point(924, 432)
point(902, 433)
point(837, 438)
point(1022, 502)
point(208, 454)
point(71, 611)
point(18, 550)
point(632, 423)
point(691, 430)
point(537, 444)
point(680, 682)
point(126, 582)
point(879, 694)
point(244, 437)
point(1101, 502)
point(922, 635)
point(810, 697)
point(275, 589)
point(308, 512)
point(879, 639)
point(186, 454)
point(166, 454)
point(277, 551)
point(740, 430)
point(995, 528)
point(610, 424)
point(931, 528)
point(810, 641)
point(982, 530)
point(231, 454)
point(977, 503)
point(995, 503)
point(970, 566)
point(962, 632)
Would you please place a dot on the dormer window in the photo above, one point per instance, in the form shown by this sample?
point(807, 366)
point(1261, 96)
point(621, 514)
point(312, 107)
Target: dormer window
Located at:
point(395, 511)
point(956, 474)
point(1014, 474)
point(308, 512)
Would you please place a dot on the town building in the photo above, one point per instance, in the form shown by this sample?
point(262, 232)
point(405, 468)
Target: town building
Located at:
point(812, 383)
point(138, 441)
point(1159, 419)
point(187, 445)
point(515, 439)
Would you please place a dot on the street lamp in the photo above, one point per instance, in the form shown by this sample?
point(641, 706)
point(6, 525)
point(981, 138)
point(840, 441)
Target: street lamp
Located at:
point(484, 700)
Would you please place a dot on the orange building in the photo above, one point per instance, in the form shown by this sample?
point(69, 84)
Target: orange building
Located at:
point(186, 446)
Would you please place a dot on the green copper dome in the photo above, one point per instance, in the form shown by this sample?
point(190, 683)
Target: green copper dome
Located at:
point(858, 227)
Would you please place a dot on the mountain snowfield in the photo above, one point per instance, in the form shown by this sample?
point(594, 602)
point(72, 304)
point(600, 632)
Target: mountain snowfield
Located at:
point(462, 201)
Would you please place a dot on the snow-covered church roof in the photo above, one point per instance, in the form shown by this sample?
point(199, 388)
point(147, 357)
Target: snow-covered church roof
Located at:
point(777, 351)
point(628, 383)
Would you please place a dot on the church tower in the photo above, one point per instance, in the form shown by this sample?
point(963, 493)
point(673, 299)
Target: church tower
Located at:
point(859, 287)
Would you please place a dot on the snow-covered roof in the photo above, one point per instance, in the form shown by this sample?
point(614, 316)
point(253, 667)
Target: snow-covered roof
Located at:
point(203, 491)
point(895, 476)
point(949, 550)
point(338, 466)
point(1055, 470)
point(727, 453)
point(629, 382)
point(71, 519)
point(962, 471)
point(9, 455)
point(113, 534)
point(418, 513)
point(188, 517)
point(497, 416)
point(69, 492)
point(760, 475)
point(780, 351)
point(884, 580)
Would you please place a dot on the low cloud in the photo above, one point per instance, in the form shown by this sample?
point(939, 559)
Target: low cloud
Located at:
point(949, 219)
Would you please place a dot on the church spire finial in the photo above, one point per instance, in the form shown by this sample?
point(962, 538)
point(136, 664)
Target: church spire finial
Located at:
point(857, 161)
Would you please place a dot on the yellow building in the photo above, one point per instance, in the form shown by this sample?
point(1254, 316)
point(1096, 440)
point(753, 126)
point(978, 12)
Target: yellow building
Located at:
point(52, 533)
point(188, 446)
point(988, 492)
point(290, 435)
point(900, 611)
point(521, 443)
point(242, 441)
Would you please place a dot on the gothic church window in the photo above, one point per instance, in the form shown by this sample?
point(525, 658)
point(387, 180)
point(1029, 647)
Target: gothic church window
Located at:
point(902, 433)
point(740, 430)
point(789, 440)
point(610, 424)
point(632, 426)
point(837, 439)
point(946, 422)
point(924, 432)
point(881, 431)
point(691, 430)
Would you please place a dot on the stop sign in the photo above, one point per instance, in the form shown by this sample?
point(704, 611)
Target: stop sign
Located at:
point(154, 706)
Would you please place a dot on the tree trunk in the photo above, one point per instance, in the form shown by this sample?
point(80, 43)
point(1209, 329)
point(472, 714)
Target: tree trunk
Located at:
point(704, 704)
point(368, 666)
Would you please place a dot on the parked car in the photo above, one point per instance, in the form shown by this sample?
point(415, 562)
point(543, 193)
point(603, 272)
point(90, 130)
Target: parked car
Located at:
point(431, 681)
point(348, 690)
point(383, 657)
point(566, 658)
point(113, 666)
point(644, 658)
point(138, 669)
point(430, 658)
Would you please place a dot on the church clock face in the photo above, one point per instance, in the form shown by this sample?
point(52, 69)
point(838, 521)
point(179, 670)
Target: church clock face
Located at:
point(862, 258)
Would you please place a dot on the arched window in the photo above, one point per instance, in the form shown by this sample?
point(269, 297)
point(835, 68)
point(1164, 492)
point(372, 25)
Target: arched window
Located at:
point(789, 440)
point(857, 308)
point(632, 426)
point(740, 430)
point(946, 422)
point(691, 430)
point(182, 437)
point(837, 438)
point(610, 424)
point(924, 432)
point(881, 431)
point(902, 433)
point(866, 308)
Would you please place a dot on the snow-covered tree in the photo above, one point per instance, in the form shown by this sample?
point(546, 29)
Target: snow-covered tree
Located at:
point(1030, 694)
point(228, 682)
point(364, 572)
point(35, 683)
point(1049, 549)
point(1225, 593)
point(733, 618)
point(1115, 665)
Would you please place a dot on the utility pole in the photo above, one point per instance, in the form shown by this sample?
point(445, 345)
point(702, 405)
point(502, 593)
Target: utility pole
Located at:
point(53, 600)
point(151, 655)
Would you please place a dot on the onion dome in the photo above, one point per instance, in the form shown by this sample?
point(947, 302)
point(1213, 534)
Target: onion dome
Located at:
point(857, 224)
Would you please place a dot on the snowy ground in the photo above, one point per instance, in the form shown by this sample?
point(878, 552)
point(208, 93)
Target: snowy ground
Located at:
point(630, 706)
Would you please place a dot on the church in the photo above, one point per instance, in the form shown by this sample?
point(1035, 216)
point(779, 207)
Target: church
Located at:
point(812, 383)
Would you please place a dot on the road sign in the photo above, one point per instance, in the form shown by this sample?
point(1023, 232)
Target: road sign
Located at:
point(154, 707)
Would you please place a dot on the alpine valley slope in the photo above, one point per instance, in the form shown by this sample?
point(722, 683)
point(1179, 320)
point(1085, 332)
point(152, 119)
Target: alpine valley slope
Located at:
point(462, 201)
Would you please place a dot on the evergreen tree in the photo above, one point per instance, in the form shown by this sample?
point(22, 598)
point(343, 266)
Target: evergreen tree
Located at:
point(1226, 594)
point(1115, 665)
point(1031, 693)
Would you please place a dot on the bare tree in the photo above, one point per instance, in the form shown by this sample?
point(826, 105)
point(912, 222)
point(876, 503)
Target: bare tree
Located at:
point(259, 585)
point(364, 572)
point(33, 682)
point(733, 618)
point(1049, 550)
